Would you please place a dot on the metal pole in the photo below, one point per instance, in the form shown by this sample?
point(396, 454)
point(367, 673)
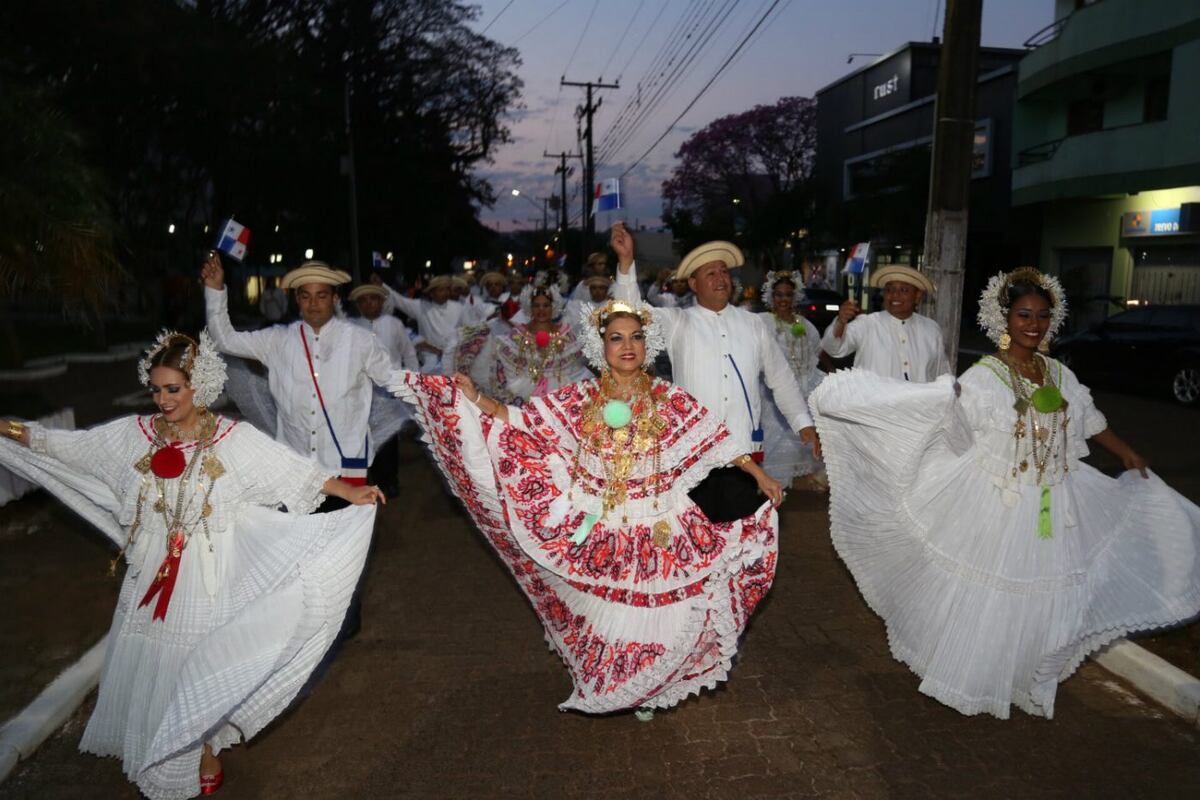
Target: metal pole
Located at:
point(589, 177)
point(950, 166)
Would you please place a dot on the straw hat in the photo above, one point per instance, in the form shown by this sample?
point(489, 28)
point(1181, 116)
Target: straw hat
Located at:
point(726, 252)
point(439, 282)
point(314, 272)
point(599, 280)
point(368, 289)
point(493, 277)
point(881, 276)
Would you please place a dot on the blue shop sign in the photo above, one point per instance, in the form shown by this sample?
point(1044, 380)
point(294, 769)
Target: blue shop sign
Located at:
point(1157, 222)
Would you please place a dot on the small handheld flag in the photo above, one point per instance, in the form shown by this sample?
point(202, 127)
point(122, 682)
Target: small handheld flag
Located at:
point(234, 239)
point(378, 261)
point(857, 260)
point(608, 195)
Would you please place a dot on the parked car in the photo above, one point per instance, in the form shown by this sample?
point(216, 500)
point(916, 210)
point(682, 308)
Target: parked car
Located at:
point(820, 306)
point(1156, 346)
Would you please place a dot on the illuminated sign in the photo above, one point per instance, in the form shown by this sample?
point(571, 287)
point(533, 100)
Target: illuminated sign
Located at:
point(1156, 222)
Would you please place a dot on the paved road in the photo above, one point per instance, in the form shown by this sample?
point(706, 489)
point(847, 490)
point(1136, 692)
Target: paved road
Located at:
point(450, 692)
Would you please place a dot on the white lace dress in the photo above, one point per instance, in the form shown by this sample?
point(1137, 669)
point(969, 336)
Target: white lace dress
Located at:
point(785, 457)
point(994, 587)
point(248, 619)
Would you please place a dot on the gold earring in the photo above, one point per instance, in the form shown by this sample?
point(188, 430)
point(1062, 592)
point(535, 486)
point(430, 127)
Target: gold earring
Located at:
point(1005, 341)
point(1044, 345)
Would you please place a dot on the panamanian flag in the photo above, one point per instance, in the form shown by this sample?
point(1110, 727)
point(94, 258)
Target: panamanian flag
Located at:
point(234, 239)
point(857, 260)
point(378, 261)
point(608, 195)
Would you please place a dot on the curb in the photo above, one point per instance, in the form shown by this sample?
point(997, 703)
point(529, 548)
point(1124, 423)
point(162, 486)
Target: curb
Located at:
point(22, 734)
point(1160, 680)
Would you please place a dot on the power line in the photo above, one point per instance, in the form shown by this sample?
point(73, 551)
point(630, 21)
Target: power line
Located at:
point(538, 24)
point(706, 87)
point(660, 70)
point(500, 14)
point(666, 90)
point(621, 39)
point(582, 36)
point(638, 48)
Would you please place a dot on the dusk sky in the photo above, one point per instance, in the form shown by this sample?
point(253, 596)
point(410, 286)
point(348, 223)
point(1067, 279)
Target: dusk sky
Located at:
point(801, 47)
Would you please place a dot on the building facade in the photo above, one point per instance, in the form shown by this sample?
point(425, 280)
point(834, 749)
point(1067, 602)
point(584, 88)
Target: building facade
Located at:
point(874, 137)
point(1106, 152)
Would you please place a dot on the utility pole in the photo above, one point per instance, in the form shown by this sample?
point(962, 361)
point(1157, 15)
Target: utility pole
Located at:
point(950, 167)
point(589, 170)
point(562, 170)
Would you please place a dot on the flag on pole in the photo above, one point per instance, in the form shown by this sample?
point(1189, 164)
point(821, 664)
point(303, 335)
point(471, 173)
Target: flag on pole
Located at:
point(234, 239)
point(857, 260)
point(379, 262)
point(608, 195)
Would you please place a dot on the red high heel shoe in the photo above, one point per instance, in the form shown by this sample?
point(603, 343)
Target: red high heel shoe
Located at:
point(209, 784)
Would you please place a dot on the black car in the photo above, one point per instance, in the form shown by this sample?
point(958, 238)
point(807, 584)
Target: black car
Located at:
point(820, 307)
point(1156, 346)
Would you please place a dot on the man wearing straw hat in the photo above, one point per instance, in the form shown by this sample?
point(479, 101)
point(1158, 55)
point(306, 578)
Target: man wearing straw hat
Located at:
point(719, 353)
point(596, 267)
point(897, 341)
point(438, 318)
point(387, 329)
point(320, 368)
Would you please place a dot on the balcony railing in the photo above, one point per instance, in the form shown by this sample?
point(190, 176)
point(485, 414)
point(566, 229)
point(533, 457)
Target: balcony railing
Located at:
point(1046, 34)
point(1038, 153)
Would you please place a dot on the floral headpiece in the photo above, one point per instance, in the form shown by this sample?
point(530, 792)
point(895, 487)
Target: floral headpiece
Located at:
point(532, 290)
point(993, 303)
point(773, 277)
point(594, 322)
point(202, 364)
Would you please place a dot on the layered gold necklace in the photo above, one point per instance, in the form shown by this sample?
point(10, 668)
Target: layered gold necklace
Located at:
point(622, 431)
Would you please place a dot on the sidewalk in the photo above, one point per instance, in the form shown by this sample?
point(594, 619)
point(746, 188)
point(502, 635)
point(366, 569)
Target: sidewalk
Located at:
point(449, 691)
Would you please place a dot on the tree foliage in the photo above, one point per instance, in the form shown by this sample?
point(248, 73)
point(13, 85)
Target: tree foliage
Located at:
point(192, 111)
point(762, 157)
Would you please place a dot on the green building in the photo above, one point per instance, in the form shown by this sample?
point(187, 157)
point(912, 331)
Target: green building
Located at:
point(1106, 152)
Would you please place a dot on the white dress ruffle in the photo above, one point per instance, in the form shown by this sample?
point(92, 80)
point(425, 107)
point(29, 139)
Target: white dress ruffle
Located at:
point(785, 457)
point(247, 622)
point(944, 543)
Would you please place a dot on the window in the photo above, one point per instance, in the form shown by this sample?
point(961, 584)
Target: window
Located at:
point(1085, 116)
point(1129, 320)
point(1158, 90)
point(1177, 318)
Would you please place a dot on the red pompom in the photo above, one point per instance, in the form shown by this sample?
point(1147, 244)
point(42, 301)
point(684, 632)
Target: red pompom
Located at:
point(541, 338)
point(168, 462)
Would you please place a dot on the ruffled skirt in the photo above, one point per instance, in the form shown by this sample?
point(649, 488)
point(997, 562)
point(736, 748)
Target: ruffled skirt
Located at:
point(985, 611)
point(218, 668)
point(785, 457)
point(635, 624)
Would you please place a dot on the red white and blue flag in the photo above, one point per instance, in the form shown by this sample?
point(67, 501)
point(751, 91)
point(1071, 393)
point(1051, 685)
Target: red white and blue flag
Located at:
point(857, 260)
point(378, 261)
point(608, 195)
point(234, 239)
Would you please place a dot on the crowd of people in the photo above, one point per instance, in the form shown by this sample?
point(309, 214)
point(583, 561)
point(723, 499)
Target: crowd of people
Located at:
point(625, 459)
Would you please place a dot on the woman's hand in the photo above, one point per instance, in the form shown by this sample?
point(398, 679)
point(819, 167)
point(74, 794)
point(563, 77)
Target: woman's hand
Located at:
point(357, 495)
point(17, 431)
point(212, 273)
point(1132, 460)
point(467, 386)
point(427, 347)
point(772, 488)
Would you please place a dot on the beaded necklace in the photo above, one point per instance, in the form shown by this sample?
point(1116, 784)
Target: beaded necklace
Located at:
point(793, 332)
point(621, 433)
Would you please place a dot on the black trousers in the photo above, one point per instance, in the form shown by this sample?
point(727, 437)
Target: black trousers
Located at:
point(727, 494)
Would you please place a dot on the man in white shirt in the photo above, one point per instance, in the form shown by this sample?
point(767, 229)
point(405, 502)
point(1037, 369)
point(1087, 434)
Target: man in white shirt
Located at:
point(386, 328)
point(596, 267)
point(599, 290)
point(438, 319)
point(897, 341)
point(718, 354)
point(320, 368)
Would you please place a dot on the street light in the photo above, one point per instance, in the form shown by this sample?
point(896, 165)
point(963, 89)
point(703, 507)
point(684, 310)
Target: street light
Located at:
point(308, 253)
point(171, 228)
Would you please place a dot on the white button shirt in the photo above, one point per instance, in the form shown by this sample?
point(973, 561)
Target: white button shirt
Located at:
point(700, 343)
point(910, 349)
point(438, 324)
point(347, 360)
point(392, 334)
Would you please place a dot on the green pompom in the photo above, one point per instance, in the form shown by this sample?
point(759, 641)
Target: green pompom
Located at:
point(617, 414)
point(1047, 399)
point(799, 330)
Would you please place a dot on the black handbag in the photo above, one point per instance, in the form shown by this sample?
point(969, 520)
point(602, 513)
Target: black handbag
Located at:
point(727, 494)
